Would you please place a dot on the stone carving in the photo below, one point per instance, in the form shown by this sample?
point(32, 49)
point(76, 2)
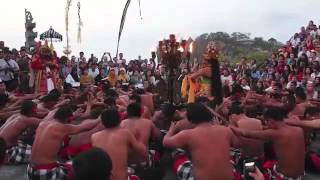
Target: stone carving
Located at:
point(30, 34)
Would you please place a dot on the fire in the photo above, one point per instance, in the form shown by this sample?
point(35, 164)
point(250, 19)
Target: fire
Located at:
point(191, 47)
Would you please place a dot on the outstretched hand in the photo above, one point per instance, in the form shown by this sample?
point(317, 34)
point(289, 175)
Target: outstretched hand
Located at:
point(257, 175)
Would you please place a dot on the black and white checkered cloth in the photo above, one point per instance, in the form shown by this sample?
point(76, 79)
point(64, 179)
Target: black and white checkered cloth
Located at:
point(185, 171)
point(57, 173)
point(19, 154)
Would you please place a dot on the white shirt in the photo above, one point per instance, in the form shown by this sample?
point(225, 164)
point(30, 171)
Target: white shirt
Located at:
point(71, 81)
point(5, 74)
point(226, 78)
point(94, 73)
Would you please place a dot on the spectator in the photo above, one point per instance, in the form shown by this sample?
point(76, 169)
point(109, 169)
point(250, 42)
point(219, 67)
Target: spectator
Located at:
point(8, 70)
point(85, 79)
point(93, 70)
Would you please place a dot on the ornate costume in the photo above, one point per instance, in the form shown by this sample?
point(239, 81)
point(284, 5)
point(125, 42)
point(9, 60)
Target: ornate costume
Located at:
point(45, 68)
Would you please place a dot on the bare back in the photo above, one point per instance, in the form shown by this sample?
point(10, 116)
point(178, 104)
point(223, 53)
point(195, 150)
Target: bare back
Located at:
point(290, 150)
point(209, 147)
point(251, 147)
point(48, 141)
point(14, 127)
point(141, 128)
point(116, 143)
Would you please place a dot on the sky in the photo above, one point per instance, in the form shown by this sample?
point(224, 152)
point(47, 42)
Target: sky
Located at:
point(279, 19)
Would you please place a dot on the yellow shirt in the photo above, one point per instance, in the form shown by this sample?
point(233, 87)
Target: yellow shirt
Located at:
point(86, 80)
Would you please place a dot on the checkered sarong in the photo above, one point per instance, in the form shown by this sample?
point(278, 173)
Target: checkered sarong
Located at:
point(58, 172)
point(185, 171)
point(19, 154)
point(182, 165)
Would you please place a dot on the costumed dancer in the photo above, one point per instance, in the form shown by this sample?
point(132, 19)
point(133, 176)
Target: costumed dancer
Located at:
point(210, 74)
point(45, 68)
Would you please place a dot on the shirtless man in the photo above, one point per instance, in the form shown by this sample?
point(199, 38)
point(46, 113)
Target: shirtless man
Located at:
point(118, 143)
point(249, 147)
point(288, 143)
point(301, 103)
point(18, 151)
point(163, 118)
point(48, 140)
point(143, 130)
point(208, 144)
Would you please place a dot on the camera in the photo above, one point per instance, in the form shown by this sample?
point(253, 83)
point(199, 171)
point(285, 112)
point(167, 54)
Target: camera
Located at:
point(249, 167)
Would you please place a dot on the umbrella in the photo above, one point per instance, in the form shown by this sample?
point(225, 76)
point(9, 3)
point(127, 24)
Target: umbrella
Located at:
point(51, 35)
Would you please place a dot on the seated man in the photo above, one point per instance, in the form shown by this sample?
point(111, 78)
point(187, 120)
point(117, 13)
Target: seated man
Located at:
point(118, 143)
point(288, 144)
point(18, 151)
point(250, 148)
point(47, 143)
point(163, 118)
point(144, 130)
point(208, 145)
point(93, 164)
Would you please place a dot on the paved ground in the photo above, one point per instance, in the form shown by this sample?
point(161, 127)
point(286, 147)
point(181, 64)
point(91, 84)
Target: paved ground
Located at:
point(19, 172)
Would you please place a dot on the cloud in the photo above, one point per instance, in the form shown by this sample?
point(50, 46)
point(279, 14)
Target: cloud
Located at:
point(272, 18)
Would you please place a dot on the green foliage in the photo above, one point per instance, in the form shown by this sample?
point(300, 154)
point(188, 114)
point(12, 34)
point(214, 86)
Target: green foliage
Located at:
point(237, 45)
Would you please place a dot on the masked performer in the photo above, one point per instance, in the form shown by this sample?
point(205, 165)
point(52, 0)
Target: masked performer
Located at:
point(45, 67)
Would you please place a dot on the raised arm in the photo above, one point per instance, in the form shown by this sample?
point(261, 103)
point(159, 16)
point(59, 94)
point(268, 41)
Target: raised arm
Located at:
point(315, 124)
point(261, 135)
point(173, 140)
point(84, 126)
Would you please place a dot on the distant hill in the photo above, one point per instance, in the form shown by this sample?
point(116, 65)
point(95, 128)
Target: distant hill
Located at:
point(237, 45)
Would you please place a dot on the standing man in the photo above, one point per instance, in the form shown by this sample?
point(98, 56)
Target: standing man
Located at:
point(8, 69)
point(24, 77)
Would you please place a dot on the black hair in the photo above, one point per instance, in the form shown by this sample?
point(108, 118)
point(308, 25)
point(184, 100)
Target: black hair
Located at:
point(134, 110)
point(55, 93)
point(197, 113)
point(235, 109)
point(300, 93)
point(111, 93)
point(96, 112)
point(26, 107)
point(110, 101)
point(216, 84)
point(110, 118)
point(138, 91)
point(136, 98)
point(63, 114)
point(168, 110)
point(274, 113)
point(94, 164)
point(311, 111)
point(4, 99)
point(236, 88)
point(3, 148)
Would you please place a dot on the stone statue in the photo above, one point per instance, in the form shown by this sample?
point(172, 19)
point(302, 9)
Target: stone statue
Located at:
point(29, 34)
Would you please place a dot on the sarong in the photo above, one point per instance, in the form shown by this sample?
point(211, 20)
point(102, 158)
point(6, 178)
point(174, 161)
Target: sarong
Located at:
point(54, 171)
point(19, 154)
